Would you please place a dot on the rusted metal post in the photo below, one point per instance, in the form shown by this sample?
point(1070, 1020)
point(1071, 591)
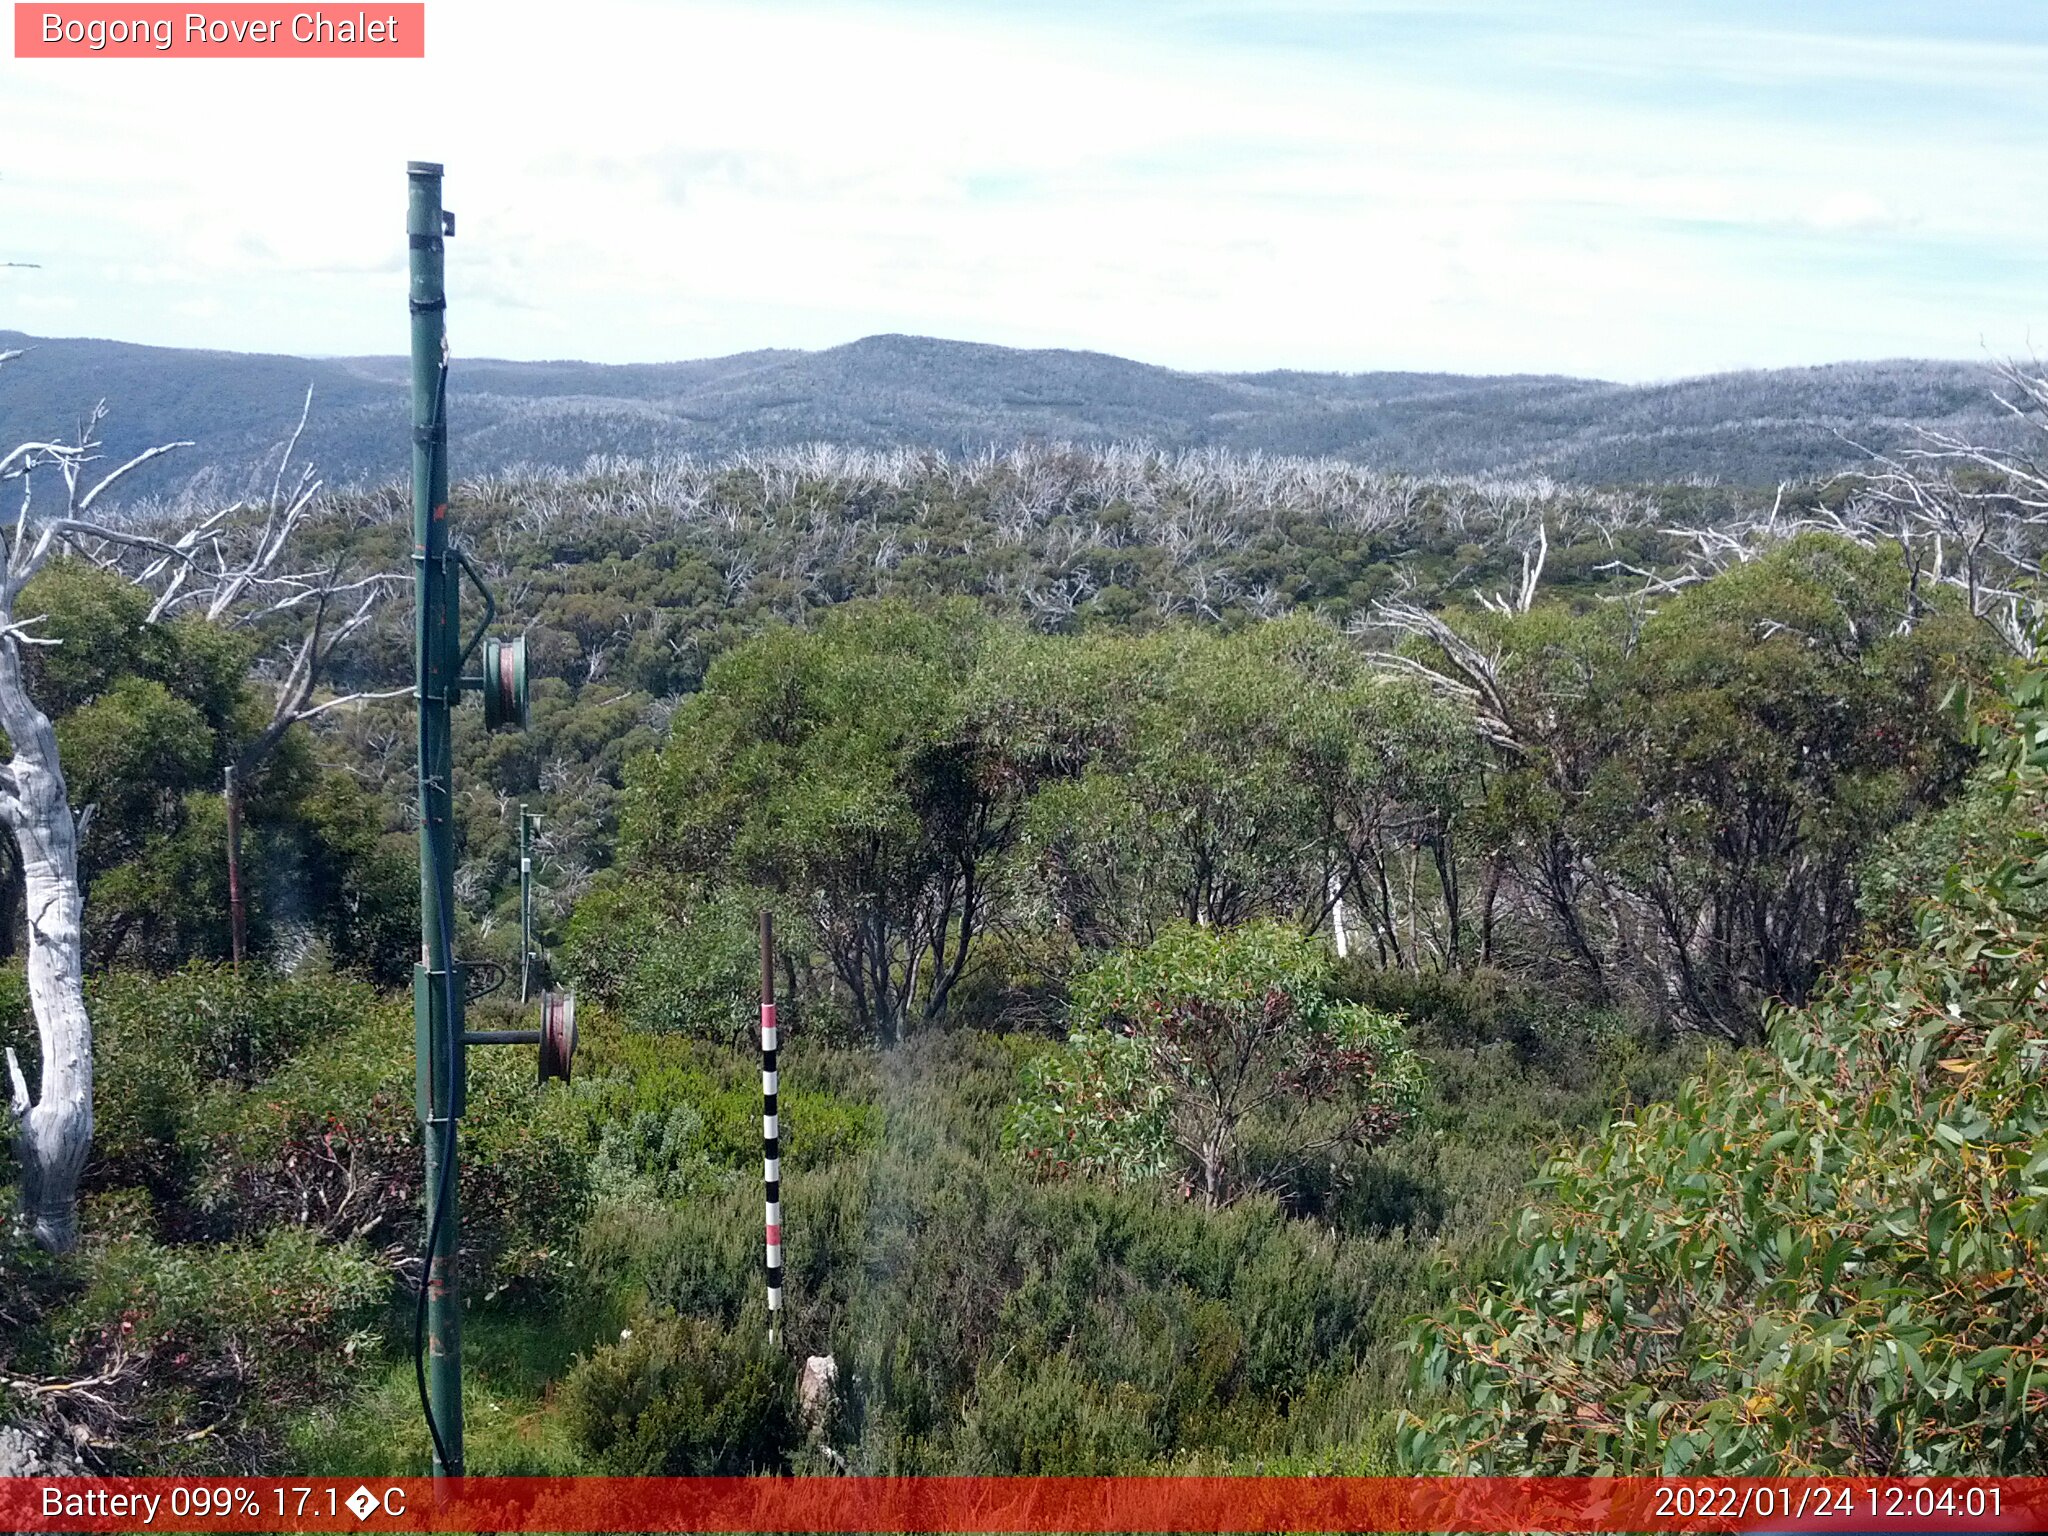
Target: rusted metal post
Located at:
point(238, 915)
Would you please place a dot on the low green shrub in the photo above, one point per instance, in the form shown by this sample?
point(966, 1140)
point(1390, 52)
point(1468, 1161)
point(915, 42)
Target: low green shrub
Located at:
point(202, 1350)
point(1183, 1046)
point(332, 1143)
point(1566, 1036)
point(687, 1115)
point(162, 1043)
point(682, 1397)
point(1053, 1419)
point(691, 969)
point(1173, 1334)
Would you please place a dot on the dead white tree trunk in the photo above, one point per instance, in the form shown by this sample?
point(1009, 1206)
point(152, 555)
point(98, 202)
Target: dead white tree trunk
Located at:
point(53, 1131)
point(52, 1125)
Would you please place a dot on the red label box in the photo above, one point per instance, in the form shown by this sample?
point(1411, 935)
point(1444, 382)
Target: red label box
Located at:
point(224, 31)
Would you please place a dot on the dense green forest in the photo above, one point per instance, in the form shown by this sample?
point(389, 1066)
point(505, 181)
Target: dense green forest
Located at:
point(1675, 1104)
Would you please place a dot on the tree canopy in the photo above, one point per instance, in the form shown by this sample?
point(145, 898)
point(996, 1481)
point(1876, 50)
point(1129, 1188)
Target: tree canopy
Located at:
point(1829, 1256)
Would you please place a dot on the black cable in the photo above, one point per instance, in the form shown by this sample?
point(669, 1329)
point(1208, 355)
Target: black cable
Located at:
point(419, 1318)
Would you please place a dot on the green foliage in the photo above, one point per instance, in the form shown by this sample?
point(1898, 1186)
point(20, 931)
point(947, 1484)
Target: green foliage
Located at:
point(204, 1349)
point(1222, 1334)
point(100, 621)
point(147, 718)
point(256, 1178)
point(1485, 1007)
point(286, 1309)
point(693, 973)
point(1239, 1338)
point(1185, 1044)
point(1054, 1420)
point(514, 1357)
point(1724, 765)
point(356, 879)
point(1830, 1257)
point(675, 1121)
point(953, 818)
point(833, 769)
point(129, 752)
point(680, 1397)
point(161, 1044)
point(1204, 776)
point(330, 1142)
point(1094, 1108)
point(897, 779)
point(333, 1142)
point(1121, 1327)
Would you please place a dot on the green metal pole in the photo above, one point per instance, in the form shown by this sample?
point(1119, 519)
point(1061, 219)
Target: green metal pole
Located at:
point(437, 994)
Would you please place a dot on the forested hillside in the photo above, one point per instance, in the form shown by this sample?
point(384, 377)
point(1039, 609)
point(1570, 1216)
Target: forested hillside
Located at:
point(887, 392)
point(1211, 887)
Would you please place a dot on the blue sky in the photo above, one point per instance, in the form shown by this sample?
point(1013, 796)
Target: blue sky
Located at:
point(1635, 192)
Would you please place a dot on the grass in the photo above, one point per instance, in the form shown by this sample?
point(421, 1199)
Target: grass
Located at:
point(985, 1321)
point(513, 1356)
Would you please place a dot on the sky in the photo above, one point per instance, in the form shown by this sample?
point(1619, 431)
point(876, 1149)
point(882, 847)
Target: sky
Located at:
point(1628, 191)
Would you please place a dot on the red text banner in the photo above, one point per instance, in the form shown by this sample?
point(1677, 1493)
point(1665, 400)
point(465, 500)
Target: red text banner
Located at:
point(1021, 1504)
point(225, 31)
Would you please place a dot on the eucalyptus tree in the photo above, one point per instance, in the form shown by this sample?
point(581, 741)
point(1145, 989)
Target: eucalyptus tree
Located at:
point(1685, 786)
point(834, 769)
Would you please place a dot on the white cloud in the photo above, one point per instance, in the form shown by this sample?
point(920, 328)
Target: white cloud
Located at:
point(642, 179)
point(1853, 210)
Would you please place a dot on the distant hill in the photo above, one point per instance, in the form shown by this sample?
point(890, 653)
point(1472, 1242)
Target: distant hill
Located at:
point(883, 391)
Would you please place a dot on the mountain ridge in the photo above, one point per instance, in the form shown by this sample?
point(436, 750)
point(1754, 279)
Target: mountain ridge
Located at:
point(897, 390)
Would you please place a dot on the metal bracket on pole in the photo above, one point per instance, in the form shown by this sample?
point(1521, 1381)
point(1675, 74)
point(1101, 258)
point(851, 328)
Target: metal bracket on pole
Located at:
point(490, 610)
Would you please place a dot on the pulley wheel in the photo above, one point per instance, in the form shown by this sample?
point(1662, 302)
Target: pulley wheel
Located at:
point(505, 683)
point(557, 1034)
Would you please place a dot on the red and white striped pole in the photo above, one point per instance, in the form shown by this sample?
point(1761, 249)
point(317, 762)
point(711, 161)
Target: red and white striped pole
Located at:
point(771, 1130)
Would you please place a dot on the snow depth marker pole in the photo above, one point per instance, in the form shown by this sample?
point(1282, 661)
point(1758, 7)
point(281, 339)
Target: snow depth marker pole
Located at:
point(771, 1129)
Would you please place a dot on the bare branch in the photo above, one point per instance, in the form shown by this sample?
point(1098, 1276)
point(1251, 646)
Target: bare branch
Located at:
point(277, 485)
point(72, 530)
point(85, 502)
point(355, 698)
point(20, 460)
point(1475, 674)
